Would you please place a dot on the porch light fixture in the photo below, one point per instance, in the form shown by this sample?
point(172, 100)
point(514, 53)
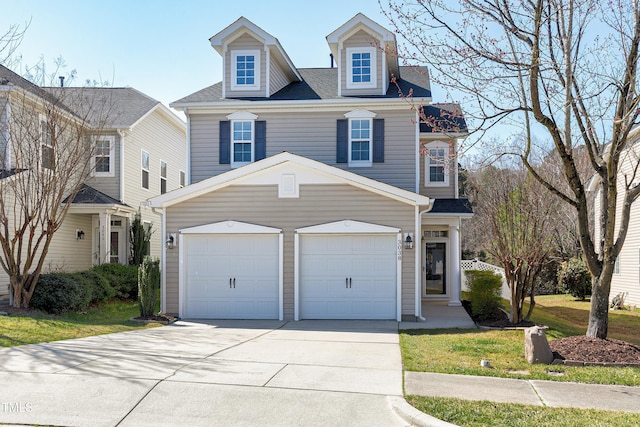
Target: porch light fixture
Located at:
point(408, 240)
point(171, 240)
point(79, 235)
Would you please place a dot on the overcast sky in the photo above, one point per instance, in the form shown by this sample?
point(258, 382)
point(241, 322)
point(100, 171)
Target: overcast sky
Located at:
point(162, 47)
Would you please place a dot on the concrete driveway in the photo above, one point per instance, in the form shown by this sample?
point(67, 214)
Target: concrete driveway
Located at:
point(228, 373)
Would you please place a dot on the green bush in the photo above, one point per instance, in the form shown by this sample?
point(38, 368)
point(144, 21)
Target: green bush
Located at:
point(148, 286)
point(97, 284)
point(59, 292)
point(484, 290)
point(122, 278)
point(575, 279)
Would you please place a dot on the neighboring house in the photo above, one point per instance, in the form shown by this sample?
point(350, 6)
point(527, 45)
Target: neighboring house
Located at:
point(140, 152)
point(314, 193)
point(626, 276)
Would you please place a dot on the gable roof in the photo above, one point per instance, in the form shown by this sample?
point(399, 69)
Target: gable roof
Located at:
point(238, 175)
point(89, 195)
point(241, 26)
point(384, 37)
point(316, 84)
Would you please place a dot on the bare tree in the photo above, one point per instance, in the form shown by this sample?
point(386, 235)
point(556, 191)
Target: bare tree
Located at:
point(9, 42)
point(563, 69)
point(46, 140)
point(515, 223)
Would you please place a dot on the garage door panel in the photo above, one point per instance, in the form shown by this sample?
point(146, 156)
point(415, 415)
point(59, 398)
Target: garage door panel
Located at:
point(369, 264)
point(231, 276)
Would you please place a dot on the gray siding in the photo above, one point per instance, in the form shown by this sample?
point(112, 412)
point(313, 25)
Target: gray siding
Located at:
point(437, 192)
point(361, 39)
point(243, 43)
point(109, 185)
point(317, 204)
point(4, 130)
point(312, 135)
point(277, 77)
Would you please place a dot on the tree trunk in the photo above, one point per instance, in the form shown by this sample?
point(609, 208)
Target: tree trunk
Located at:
point(599, 312)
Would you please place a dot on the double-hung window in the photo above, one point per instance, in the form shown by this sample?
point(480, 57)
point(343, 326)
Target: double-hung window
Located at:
point(163, 177)
point(103, 161)
point(361, 68)
point(437, 164)
point(145, 170)
point(360, 142)
point(245, 74)
point(241, 142)
point(46, 151)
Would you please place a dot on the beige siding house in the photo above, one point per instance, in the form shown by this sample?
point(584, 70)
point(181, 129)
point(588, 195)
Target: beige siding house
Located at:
point(314, 193)
point(626, 276)
point(141, 152)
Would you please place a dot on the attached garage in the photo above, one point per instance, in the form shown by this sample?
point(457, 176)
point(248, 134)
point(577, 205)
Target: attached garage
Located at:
point(348, 270)
point(231, 270)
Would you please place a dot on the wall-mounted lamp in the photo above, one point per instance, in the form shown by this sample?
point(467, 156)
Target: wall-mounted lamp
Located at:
point(79, 235)
point(408, 240)
point(171, 240)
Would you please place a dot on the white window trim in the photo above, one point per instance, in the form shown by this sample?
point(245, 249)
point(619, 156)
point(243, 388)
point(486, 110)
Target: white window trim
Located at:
point(242, 116)
point(447, 164)
point(361, 115)
point(112, 157)
point(234, 64)
point(142, 168)
point(164, 178)
point(374, 65)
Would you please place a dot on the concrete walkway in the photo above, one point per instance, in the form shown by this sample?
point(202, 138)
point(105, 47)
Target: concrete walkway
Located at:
point(239, 373)
point(528, 392)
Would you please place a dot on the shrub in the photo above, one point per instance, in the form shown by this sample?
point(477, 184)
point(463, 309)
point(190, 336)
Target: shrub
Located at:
point(575, 279)
point(148, 286)
point(484, 290)
point(122, 278)
point(97, 284)
point(59, 292)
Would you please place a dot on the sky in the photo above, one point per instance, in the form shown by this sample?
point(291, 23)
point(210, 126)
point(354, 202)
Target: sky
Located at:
point(162, 47)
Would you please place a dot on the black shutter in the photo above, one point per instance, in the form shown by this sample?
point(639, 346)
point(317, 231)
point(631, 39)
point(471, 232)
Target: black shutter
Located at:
point(378, 140)
point(225, 142)
point(261, 140)
point(342, 138)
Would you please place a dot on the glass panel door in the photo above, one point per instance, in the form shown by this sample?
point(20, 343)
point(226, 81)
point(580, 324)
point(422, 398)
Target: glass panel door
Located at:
point(436, 269)
point(114, 247)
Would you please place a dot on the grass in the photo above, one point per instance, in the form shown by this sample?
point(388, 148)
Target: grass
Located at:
point(38, 327)
point(475, 414)
point(459, 351)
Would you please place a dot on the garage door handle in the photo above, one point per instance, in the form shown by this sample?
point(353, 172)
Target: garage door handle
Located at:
point(349, 282)
point(234, 283)
point(346, 282)
point(229, 282)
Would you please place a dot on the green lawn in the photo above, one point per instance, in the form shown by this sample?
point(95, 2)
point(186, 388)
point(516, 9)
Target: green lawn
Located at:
point(479, 414)
point(37, 327)
point(459, 351)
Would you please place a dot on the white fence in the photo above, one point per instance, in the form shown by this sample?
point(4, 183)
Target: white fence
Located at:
point(474, 264)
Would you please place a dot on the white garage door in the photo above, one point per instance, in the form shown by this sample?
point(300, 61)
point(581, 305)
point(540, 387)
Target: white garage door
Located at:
point(348, 276)
point(231, 276)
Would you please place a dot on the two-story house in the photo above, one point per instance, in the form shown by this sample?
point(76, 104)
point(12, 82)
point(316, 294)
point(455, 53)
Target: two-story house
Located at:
point(314, 193)
point(137, 152)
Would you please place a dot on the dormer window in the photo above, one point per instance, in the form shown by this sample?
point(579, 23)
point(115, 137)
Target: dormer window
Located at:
point(361, 68)
point(245, 73)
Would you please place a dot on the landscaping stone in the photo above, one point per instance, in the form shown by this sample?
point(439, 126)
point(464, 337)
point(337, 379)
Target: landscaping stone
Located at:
point(536, 346)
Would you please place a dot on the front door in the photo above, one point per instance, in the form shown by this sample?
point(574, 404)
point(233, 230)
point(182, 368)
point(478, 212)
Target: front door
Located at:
point(117, 246)
point(436, 268)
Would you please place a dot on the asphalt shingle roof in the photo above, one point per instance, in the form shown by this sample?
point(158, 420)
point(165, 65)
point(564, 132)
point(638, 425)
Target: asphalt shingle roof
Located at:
point(89, 195)
point(321, 83)
point(457, 206)
point(443, 118)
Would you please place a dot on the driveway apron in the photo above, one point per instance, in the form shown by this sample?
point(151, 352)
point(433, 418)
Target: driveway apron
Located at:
point(209, 373)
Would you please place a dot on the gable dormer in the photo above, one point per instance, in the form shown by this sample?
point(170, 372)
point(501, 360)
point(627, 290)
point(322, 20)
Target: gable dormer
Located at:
point(366, 56)
point(255, 64)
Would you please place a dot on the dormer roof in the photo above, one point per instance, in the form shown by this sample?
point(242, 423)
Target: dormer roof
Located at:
point(381, 35)
point(243, 26)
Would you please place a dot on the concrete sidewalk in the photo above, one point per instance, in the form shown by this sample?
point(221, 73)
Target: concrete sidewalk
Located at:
point(528, 392)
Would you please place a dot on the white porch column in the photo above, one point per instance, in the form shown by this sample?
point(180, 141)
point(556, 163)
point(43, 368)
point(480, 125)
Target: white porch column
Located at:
point(456, 278)
point(105, 237)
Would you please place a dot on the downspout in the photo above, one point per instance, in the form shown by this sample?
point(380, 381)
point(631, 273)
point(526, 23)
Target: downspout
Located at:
point(163, 257)
point(417, 166)
point(122, 133)
point(188, 172)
